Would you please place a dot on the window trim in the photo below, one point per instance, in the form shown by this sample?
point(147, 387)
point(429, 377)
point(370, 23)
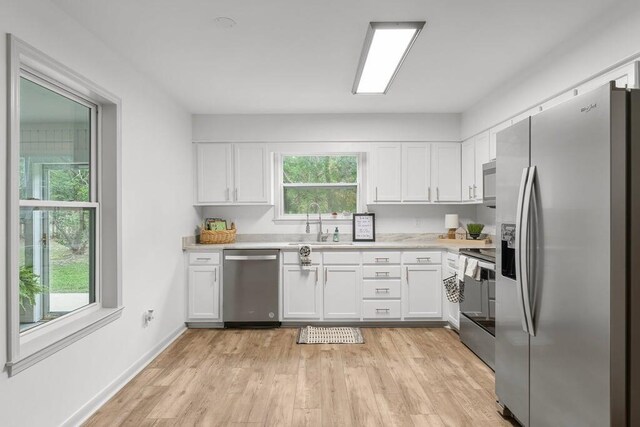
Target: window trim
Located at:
point(280, 185)
point(26, 349)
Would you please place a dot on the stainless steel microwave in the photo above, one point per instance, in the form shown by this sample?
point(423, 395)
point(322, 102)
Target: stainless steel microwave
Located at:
point(489, 184)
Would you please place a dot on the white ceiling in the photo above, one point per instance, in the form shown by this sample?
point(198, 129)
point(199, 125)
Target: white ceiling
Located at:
point(297, 56)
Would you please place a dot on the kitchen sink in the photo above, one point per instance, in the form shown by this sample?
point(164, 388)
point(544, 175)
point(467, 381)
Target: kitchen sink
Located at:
point(321, 243)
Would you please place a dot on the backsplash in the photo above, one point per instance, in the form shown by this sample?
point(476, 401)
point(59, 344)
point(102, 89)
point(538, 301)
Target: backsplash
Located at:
point(390, 219)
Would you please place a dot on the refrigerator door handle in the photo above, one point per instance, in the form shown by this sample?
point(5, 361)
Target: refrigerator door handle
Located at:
point(521, 192)
point(524, 252)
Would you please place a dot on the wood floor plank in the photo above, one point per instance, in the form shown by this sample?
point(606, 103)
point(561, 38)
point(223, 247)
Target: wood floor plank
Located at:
point(399, 377)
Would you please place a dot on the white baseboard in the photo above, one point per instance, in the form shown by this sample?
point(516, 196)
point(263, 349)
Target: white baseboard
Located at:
point(82, 414)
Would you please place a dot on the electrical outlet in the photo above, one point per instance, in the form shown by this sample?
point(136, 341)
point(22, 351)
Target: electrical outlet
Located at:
point(148, 316)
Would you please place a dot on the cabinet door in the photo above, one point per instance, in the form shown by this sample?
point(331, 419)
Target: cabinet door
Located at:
point(204, 292)
point(468, 169)
point(213, 173)
point(302, 293)
point(386, 173)
point(251, 175)
point(416, 172)
point(445, 172)
point(481, 157)
point(423, 291)
point(342, 292)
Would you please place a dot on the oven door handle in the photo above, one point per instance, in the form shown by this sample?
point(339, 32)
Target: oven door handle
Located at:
point(519, 208)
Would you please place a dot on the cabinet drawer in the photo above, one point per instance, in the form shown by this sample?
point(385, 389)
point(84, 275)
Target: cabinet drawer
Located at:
point(337, 258)
point(202, 258)
point(422, 257)
point(381, 309)
point(294, 257)
point(381, 258)
point(381, 272)
point(381, 289)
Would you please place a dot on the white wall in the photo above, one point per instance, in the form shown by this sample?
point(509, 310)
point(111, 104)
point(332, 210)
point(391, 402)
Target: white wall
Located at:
point(156, 212)
point(612, 38)
point(326, 127)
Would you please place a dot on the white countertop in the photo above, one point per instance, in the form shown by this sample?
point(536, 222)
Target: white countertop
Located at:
point(453, 246)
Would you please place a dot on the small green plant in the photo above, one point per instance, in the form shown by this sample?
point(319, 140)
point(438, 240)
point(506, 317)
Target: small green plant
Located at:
point(475, 228)
point(29, 286)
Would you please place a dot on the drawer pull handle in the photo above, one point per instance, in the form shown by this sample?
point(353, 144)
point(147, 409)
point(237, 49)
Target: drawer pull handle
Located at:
point(203, 259)
point(424, 259)
point(382, 260)
point(382, 310)
point(382, 274)
point(382, 290)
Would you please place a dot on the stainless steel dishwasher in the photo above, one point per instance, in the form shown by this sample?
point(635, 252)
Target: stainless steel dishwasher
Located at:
point(250, 288)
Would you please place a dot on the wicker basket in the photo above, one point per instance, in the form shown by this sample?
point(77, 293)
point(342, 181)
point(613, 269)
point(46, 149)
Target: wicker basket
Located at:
point(209, 237)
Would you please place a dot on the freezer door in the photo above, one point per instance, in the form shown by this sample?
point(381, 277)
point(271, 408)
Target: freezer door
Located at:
point(512, 343)
point(570, 263)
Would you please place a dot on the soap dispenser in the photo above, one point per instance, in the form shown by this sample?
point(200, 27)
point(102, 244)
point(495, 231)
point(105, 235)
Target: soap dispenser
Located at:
point(336, 235)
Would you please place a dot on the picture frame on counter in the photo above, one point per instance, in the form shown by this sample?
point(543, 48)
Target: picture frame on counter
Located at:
point(215, 224)
point(364, 227)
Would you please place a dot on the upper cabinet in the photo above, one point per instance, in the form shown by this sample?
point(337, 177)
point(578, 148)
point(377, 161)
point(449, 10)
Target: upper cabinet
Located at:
point(445, 172)
point(416, 172)
point(386, 173)
point(214, 173)
point(475, 153)
point(468, 169)
point(229, 174)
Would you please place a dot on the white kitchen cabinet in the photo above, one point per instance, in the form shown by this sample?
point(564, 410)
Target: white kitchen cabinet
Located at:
point(232, 174)
point(214, 179)
point(445, 172)
point(251, 173)
point(342, 298)
point(302, 291)
point(468, 169)
point(493, 136)
point(386, 173)
point(416, 172)
point(482, 156)
point(422, 296)
point(204, 293)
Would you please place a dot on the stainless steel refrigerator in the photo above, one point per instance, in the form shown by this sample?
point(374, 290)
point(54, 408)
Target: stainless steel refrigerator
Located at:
point(566, 263)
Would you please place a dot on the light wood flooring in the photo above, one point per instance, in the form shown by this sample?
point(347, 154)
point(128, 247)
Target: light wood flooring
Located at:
point(404, 377)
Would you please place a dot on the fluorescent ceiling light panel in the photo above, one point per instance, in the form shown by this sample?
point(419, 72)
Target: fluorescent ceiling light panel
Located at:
point(385, 48)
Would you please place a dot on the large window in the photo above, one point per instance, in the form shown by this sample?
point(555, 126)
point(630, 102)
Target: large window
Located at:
point(64, 233)
point(58, 202)
point(330, 181)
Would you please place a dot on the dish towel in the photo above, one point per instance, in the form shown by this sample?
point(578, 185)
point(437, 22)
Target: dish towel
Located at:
point(473, 270)
point(304, 251)
point(462, 267)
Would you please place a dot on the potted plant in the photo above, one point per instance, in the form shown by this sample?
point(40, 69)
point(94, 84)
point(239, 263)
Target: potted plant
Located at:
point(475, 230)
point(29, 289)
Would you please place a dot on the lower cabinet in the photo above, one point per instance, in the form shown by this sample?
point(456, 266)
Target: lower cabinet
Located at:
point(302, 291)
point(342, 298)
point(422, 291)
point(204, 292)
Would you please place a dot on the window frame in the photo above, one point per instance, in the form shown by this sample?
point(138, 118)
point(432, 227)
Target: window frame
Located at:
point(280, 215)
point(35, 344)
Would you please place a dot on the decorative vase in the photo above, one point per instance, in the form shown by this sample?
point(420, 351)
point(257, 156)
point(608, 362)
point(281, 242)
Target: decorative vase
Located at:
point(474, 236)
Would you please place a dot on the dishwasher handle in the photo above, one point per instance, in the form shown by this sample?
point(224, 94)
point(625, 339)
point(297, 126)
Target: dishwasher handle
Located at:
point(250, 257)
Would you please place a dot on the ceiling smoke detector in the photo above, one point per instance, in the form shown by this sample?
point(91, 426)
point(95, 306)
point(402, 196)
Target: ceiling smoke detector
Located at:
point(224, 23)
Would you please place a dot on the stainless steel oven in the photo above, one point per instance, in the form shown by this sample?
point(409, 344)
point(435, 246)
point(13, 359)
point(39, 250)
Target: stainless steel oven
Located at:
point(478, 310)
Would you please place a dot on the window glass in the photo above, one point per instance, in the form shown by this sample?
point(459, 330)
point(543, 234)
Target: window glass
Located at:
point(329, 181)
point(57, 239)
point(55, 135)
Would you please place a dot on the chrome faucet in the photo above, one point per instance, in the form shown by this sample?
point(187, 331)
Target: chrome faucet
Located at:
point(321, 237)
